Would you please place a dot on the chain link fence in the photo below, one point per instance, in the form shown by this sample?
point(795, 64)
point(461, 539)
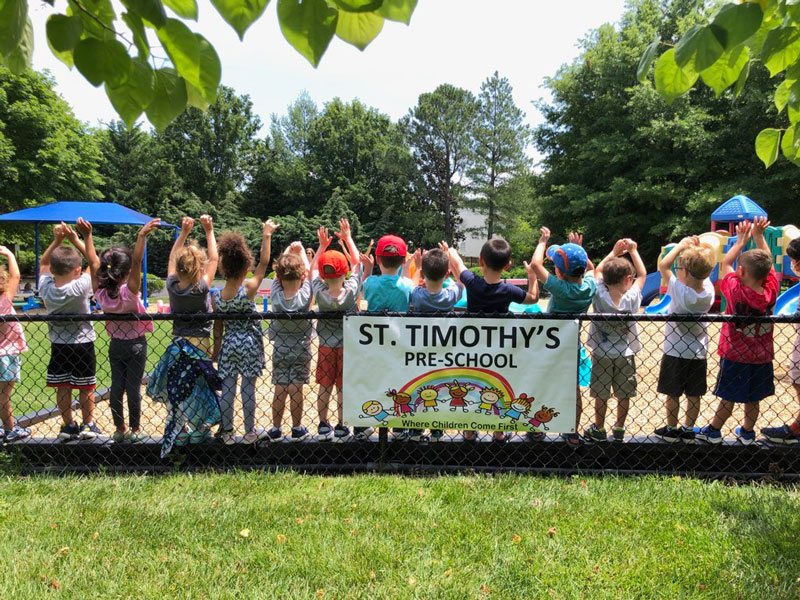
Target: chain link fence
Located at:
point(171, 412)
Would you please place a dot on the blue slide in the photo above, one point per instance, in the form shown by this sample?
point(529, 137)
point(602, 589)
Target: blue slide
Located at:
point(786, 305)
point(651, 287)
point(661, 308)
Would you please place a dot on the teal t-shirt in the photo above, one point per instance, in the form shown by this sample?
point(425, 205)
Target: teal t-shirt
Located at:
point(387, 292)
point(568, 297)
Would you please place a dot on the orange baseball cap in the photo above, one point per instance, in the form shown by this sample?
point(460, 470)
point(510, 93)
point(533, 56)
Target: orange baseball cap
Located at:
point(332, 264)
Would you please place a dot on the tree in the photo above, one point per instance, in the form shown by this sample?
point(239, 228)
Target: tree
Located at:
point(501, 139)
point(440, 130)
point(90, 36)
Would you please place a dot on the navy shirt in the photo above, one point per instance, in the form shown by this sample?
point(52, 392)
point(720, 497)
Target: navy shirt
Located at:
point(489, 297)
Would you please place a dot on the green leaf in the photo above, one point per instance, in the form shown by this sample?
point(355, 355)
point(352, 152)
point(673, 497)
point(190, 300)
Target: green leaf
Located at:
point(782, 94)
point(210, 69)
point(240, 14)
point(184, 8)
point(358, 29)
point(358, 6)
point(102, 61)
point(19, 58)
point(672, 81)
point(134, 23)
point(687, 45)
point(183, 49)
point(788, 146)
point(308, 25)
point(740, 21)
point(63, 32)
point(793, 102)
point(169, 99)
point(742, 79)
point(767, 146)
point(725, 72)
point(150, 10)
point(13, 15)
point(99, 22)
point(781, 49)
point(701, 44)
point(647, 60)
point(194, 97)
point(397, 10)
point(131, 98)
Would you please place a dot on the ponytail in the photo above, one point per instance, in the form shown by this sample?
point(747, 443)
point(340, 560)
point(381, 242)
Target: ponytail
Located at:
point(115, 266)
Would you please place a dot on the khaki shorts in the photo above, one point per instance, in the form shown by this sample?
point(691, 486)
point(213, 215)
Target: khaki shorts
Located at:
point(616, 373)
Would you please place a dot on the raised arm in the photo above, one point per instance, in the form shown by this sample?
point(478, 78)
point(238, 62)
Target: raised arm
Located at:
point(665, 265)
point(457, 265)
point(532, 297)
point(186, 228)
point(620, 248)
point(760, 225)
point(743, 232)
point(13, 273)
point(135, 276)
point(638, 264)
point(58, 238)
point(537, 260)
point(345, 234)
point(84, 227)
point(367, 266)
point(417, 263)
point(325, 240)
point(211, 249)
point(251, 285)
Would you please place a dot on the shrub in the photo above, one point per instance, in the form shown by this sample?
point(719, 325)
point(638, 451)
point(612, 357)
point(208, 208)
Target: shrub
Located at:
point(154, 284)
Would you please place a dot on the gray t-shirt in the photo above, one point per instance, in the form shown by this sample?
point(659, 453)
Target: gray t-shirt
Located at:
point(329, 331)
point(293, 330)
point(442, 301)
point(615, 338)
point(72, 298)
point(193, 299)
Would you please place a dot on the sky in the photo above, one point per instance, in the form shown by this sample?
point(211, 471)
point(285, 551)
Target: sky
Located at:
point(461, 42)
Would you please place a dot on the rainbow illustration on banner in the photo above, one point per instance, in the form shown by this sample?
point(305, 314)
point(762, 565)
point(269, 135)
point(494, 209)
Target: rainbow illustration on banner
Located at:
point(476, 380)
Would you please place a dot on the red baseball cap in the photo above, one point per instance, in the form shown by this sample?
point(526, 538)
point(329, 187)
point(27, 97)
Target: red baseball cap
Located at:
point(332, 264)
point(391, 245)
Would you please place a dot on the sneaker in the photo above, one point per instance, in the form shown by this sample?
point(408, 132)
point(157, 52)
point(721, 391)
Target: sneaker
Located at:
point(16, 434)
point(69, 432)
point(362, 434)
point(469, 435)
point(535, 436)
point(573, 439)
point(780, 435)
point(119, 436)
point(669, 434)
point(227, 437)
point(436, 435)
point(618, 434)
point(134, 437)
point(89, 431)
point(274, 435)
point(687, 434)
point(745, 436)
point(324, 431)
point(417, 435)
point(340, 432)
point(595, 434)
point(708, 434)
point(199, 436)
point(299, 434)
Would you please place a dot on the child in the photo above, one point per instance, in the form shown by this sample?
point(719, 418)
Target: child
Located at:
point(387, 291)
point(12, 344)
point(433, 297)
point(790, 433)
point(185, 378)
point(240, 350)
point(291, 342)
point(684, 367)
point(116, 280)
point(614, 343)
point(335, 292)
point(489, 294)
point(571, 291)
point(65, 290)
point(746, 350)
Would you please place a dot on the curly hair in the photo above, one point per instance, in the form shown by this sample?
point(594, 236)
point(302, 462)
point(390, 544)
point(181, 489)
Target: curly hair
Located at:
point(190, 261)
point(115, 266)
point(3, 280)
point(235, 259)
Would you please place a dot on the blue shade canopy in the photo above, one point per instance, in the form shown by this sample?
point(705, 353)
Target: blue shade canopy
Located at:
point(98, 213)
point(738, 208)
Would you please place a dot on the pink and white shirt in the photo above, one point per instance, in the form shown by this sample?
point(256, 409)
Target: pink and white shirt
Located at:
point(12, 339)
point(124, 303)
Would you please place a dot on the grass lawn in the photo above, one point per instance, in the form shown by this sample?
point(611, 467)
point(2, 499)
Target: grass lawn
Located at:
point(251, 535)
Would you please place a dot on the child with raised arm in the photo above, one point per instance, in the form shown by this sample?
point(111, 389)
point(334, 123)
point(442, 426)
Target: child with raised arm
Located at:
point(571, 289)
point(614, 344)
point(746, 349)
point(12, 344)
point(116, 280)
point(684, 367)
point(240, 350)
point(185, 378)
point(291, 342)
point(65, 289)
point(490, 294)
point(335, 292)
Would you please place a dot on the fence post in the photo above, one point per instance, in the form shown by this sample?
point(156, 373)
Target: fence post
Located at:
point(383, 445)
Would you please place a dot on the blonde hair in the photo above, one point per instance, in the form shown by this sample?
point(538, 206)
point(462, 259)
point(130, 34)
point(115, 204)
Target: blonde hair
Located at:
point(190, 261)
point(3, 279)
point(698, 260)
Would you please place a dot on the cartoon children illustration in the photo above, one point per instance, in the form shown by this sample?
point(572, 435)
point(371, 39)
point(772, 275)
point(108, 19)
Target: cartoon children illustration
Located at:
point(519, 408)
point(402, 403)
point(373, 409)
point(540, 417)
point(458, 394)
point(427, 397)
point(489, 399)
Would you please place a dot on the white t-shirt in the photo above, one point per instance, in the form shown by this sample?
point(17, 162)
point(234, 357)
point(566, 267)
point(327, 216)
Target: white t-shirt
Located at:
point(615, 338)
point(687, 340)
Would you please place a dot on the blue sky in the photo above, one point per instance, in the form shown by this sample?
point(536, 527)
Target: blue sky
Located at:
point(454, 41)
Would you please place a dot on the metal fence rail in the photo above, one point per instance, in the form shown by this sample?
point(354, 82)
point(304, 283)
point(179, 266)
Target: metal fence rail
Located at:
point(638, 450)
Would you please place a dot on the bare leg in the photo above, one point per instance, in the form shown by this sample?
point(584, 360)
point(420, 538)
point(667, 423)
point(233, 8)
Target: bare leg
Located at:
point(5, 405)
point(600, 409)
point(323, 400)
point(623, 406)
point(796, 388)
point(692, 410)
point(279, 405)
point(673, 406)
point(86, 399)
point(296, 403)
point(751, 410)
point(64, 401)
point(724, 411)
point(339, 404)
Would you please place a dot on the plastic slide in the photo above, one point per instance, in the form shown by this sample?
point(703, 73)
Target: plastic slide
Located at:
point(660, 308)
point(652, 286)
point(786, 305)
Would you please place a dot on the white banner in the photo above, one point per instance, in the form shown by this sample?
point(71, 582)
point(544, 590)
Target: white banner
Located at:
point(460, 373)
